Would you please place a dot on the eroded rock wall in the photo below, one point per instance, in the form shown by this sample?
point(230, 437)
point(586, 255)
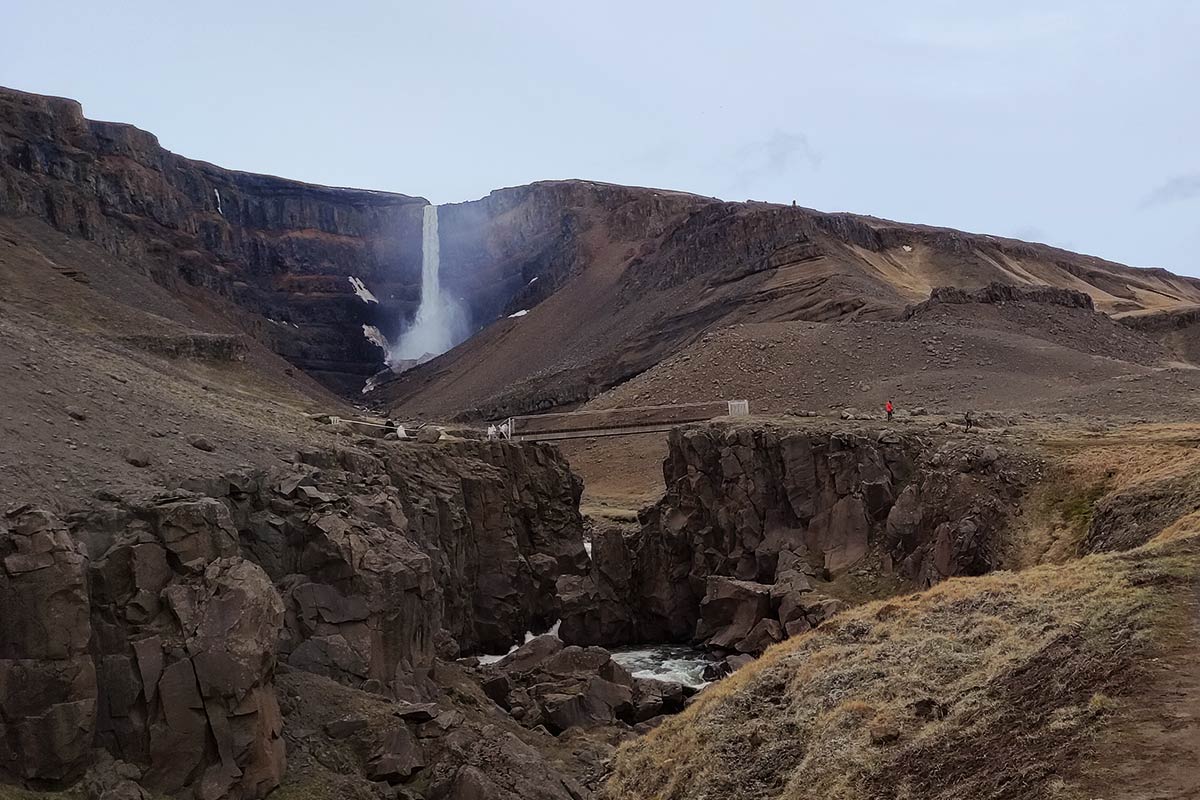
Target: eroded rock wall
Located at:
point(756, 515)
point(152, 629)
point(279, 249)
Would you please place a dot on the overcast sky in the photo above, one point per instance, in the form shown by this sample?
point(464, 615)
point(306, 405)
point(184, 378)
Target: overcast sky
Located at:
point(1073, 123)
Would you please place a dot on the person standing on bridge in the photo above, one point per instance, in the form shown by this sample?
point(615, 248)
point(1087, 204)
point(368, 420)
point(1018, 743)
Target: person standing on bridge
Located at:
point(889, 408)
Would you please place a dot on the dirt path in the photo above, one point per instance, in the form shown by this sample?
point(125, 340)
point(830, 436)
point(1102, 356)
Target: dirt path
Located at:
point(1152, 752)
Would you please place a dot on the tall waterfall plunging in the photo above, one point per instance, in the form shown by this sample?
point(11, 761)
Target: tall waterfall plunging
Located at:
point(440, 323)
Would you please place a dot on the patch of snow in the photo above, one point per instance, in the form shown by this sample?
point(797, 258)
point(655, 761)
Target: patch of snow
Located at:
point(520, 313)
point(532, 281)
point(907, 248)
point(587, 545)
point(362, 291)
point(217, 192)
point(376, 337)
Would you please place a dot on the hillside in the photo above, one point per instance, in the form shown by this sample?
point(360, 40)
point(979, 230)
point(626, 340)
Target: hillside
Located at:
point(1020, 356)
point(633, 301)
point(216, 583)
point(615, 279)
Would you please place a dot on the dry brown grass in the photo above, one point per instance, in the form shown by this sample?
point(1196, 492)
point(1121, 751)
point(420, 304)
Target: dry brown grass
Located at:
point(1083, 469)
point(996, 687)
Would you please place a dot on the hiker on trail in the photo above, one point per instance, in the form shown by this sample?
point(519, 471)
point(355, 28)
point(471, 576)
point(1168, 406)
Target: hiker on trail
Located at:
point(889, 408)
point(968, 420)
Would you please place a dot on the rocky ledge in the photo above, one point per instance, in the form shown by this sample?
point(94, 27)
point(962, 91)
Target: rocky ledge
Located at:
point(319, 621)
point(995, 293)
point(762, 524)
point(153, 629)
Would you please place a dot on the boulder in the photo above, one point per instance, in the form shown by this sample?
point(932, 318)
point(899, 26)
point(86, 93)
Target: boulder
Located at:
point(200, 443)
point(655, 698)
point(396, 758)
point(586, 704)
point(531, 655)
point(766, 633)
point(730, 610)
point(136, 456)
point(429, 434)
point(345, 727)
point(416, 712)
point(108, 779)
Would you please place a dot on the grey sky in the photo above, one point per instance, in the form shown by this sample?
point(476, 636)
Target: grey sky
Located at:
point(1076, 123)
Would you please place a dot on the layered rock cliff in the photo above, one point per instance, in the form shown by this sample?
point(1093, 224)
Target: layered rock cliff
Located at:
point(614, 278)
point(280, 250)
point(153, 630)
point(758, 517)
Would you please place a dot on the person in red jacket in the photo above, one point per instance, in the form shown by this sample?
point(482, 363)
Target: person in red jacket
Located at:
point(889, 408)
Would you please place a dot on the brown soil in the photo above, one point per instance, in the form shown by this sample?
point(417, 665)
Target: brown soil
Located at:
point(67, 312)
point(942, 365)
point(1159, 727)
point(620, 474)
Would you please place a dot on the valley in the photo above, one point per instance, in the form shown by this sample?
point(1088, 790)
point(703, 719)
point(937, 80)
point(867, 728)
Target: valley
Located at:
point(216, 584)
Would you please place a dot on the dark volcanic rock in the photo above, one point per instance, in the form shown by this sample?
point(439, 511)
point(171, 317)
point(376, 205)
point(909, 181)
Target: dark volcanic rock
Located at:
point(280, 249)
point(185, 636)
point(1003, 293)
point(386, 560)
point(151, 629)
point(752, 512)
point(47, 679)
point(564, 687)
point(730, 610)
point(596, 606)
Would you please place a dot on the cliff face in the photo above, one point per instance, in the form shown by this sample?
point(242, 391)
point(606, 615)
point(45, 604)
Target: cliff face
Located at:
point(614, 278)
point(281, 250)
point(759, 521)
point(153, 629)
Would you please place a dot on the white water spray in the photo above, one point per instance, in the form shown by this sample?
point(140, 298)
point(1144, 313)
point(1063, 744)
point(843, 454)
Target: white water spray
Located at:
point(440, 323)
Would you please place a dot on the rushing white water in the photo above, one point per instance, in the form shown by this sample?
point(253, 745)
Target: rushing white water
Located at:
point(668, 662)
point(440, 323)
point(663, 662)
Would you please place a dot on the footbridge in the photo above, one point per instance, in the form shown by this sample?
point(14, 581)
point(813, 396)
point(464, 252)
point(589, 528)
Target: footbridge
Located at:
point(616, 421)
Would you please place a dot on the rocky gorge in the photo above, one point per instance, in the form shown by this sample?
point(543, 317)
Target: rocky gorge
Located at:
point(757, 519)
point(382, 565)
point(222, 575)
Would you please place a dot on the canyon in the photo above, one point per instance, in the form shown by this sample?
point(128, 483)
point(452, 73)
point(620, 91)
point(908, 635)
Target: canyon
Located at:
point(217, 582)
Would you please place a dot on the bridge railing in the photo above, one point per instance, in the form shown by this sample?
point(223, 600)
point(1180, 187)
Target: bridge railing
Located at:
point(617, 421)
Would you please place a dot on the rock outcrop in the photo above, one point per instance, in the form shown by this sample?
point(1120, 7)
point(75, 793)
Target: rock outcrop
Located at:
point(1003, 293)
point(281, 250)
point(392, 555)
point(47, 679)
point(545, 683)
point(147, 635)
point(152, 629)
point(756, 515)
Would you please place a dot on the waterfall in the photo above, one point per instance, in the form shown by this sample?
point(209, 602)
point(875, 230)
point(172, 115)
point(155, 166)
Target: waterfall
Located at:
point(440, 323)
